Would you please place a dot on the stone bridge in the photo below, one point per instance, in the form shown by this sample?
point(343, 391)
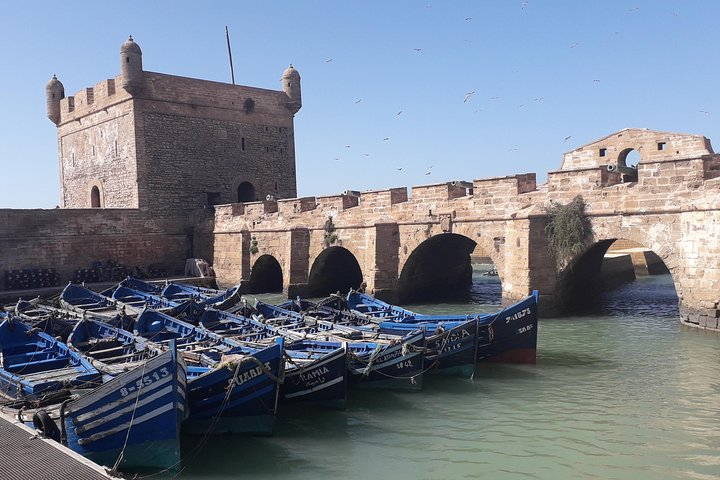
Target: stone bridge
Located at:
point(406, 244)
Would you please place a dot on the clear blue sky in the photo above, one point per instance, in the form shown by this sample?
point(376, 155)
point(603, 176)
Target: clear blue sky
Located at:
point(540, 70)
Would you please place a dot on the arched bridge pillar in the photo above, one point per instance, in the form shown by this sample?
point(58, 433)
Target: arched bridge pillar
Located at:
point(296, 281)
point(529, 265)
point(382, 275)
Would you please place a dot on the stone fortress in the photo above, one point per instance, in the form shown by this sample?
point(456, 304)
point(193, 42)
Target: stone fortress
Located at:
point(159, 168)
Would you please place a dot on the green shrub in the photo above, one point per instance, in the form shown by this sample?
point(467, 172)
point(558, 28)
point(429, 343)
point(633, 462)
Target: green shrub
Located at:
point(567, 230)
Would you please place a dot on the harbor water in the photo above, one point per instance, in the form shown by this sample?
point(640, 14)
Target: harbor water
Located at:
point(622, 391)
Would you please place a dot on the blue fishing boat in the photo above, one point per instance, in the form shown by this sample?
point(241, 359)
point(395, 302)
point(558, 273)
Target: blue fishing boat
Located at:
point(312, 374)
point(508, 335)
point(134, 419)
point(178, 293)
point(231, 386)
point(219, 299)
point(78, 298)
point(33, 363)
point(450, 347)
point(375, 360)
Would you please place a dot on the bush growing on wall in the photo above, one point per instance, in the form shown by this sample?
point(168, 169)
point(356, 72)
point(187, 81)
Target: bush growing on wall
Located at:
point(568, 229)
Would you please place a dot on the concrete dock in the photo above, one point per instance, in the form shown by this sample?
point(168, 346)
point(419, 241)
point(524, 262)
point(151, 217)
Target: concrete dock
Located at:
point(24, 455)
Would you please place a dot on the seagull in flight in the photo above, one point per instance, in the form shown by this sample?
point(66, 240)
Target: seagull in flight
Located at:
point(418, 49)
point(386, 139)
point(703, 111)
point(467, 19)
point(567, 138)
point(328, 60)
point(468, 95)
point(539, 99)
point(399, 112)
point(596, 81)
point(358, 101)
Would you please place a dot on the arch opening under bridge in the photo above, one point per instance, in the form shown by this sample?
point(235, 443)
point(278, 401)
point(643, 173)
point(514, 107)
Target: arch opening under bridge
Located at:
point(438, 268)
point(266, 276)
point(613, 275)
point(335, 270)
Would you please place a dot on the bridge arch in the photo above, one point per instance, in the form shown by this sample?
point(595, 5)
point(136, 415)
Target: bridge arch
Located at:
point(334, 269)
point(436, 267)
point(266, 275)
point(592, 272)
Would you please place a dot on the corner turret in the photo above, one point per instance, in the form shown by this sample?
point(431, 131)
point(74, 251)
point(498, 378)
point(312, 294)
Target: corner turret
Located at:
point(291, 87)
point(54, 92)
point(131, 66)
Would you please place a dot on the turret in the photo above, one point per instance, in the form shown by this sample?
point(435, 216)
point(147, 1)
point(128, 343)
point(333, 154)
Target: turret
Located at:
point(54, 92)
point(131, 66)
point(291, 87)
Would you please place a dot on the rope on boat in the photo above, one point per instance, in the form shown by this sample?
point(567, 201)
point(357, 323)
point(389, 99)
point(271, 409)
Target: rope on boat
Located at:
point(203, 441)
point(245, 361)
point(132, 417)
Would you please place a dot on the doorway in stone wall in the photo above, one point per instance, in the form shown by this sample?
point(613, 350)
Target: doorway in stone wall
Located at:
point(246, 192)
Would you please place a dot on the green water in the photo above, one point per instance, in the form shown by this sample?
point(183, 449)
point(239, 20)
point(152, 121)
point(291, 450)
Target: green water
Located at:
point(622, 392)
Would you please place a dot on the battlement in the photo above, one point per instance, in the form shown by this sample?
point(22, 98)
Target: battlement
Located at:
point(92, 99)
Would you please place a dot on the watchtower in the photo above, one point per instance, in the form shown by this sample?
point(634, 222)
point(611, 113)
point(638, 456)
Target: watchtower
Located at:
point(163, 142)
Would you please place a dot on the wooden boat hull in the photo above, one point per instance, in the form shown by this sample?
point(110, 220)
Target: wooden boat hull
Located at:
point(453, 352)
point(248, 407)
point(323, 382)
point(507, 336)
point(511, 336)
point(34, 363)
point(396, 366)
point(138, 413)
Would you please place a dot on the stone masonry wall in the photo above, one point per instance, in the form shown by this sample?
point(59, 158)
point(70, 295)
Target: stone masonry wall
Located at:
point(71, 239)
point(96, 147)
point(198, 140)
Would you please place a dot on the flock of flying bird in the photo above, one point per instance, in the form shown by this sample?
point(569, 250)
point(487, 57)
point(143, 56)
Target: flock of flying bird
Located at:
point(468, 95)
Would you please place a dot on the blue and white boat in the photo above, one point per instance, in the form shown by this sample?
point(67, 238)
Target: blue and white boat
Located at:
point(78, 298)
point(134, 419)
point(508, 335)
point(33, 363)
point(232, 388)
point(450, 347)
point(312, 374)
point(375, 360)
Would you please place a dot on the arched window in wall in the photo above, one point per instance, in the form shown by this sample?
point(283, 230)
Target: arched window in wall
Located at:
point(246, 192)
point(95, 197)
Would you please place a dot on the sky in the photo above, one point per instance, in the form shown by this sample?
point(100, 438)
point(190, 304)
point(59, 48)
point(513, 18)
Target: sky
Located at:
point(395, 92)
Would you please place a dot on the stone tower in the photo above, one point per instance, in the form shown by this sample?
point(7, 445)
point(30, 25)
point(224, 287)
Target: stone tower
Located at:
point(54, 92)
point(131, 66)
point(163, 142)
point(291, 87)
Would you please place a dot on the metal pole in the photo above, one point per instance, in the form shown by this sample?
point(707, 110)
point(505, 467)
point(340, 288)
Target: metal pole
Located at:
point(232, 71)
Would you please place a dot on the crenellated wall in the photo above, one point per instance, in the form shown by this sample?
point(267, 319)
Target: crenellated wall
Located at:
point(672, 208)
point(157, 141)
